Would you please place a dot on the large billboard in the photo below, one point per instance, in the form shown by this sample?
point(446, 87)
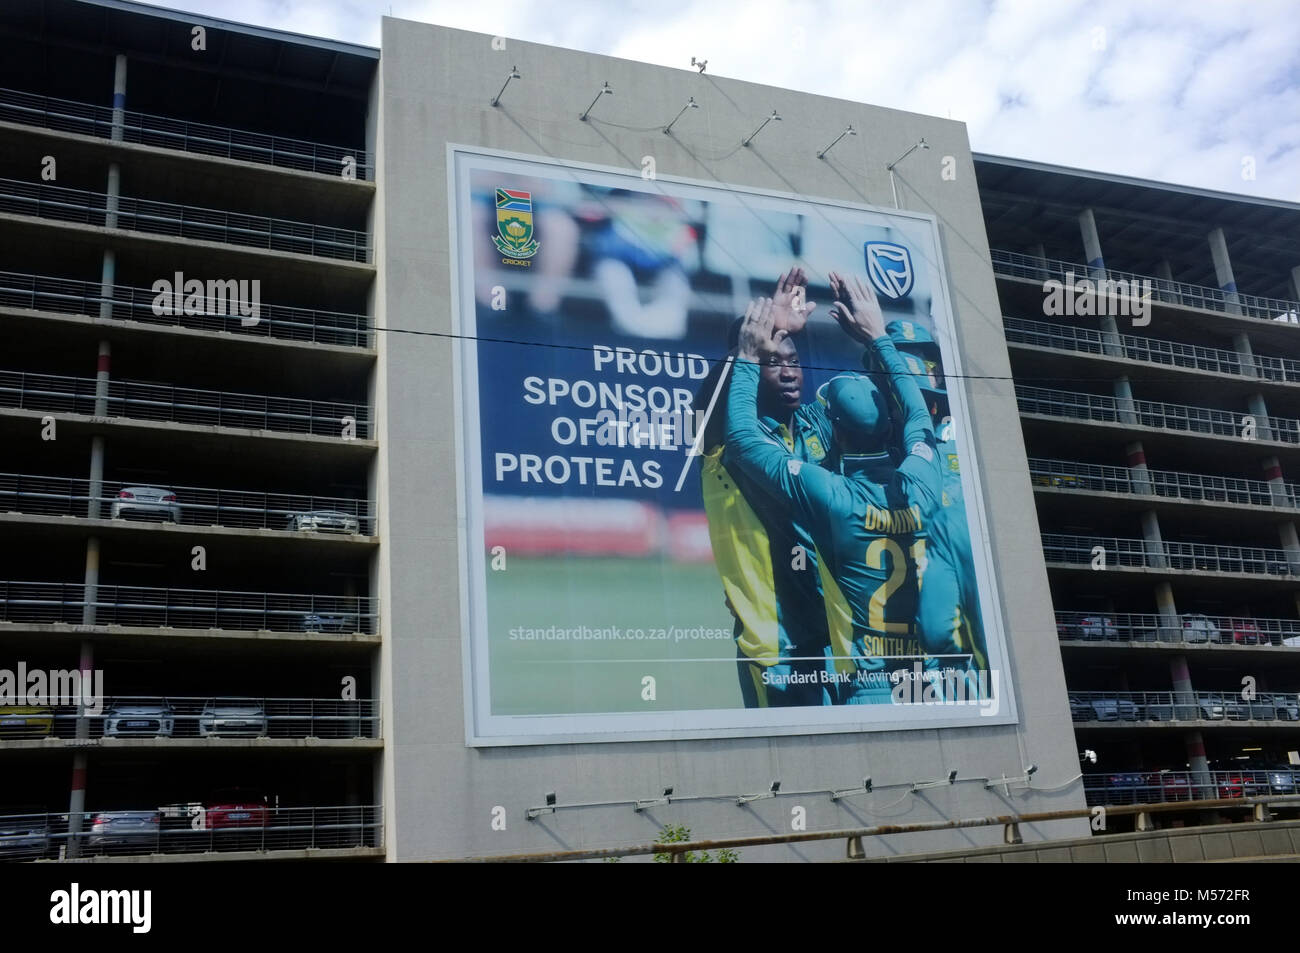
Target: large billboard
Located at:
point(679, 522)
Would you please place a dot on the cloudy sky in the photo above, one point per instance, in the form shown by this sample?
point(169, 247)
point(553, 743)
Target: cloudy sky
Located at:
point(1197, 92)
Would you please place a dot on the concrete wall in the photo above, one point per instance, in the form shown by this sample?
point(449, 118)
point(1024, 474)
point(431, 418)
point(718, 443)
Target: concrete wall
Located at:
point(436, 86)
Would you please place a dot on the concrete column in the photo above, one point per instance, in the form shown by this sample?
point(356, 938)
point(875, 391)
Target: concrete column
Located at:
point(1040, 253)
point(1246, 355)
point(101, 378)
point(1155, 545)
point(1295, 283)
point(107, 277)
point(114, 193)
point(1092, 245)
point(76, 804)
point(1291, 543)
point(95, 486)
point(1124, 401)
point(1186, 709)
point(1277, 491)
point(91, 585)
point(1259, 410)
point(1171, 627)
point(119, 96)
point(1097, 272)
point(77, 795)
point(1223, 269)
point(1139, 475)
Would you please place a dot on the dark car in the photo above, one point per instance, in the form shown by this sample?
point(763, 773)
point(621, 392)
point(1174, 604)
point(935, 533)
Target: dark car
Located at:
point(24, 833)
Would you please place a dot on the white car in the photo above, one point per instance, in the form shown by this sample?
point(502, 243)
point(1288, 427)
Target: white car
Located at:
point(139, 719)
point(146, 502)
point(232, 718)
point(323, 521)
point(1199, 628)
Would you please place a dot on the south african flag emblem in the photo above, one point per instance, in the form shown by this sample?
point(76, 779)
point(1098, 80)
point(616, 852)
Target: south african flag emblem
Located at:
point(514, 237)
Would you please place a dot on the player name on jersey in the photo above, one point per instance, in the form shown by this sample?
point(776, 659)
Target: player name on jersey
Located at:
point(893, 521)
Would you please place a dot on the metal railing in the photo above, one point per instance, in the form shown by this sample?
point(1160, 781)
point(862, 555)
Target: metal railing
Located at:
point(192, 506)
point(1184, 706)
point(42, 603)
point(1173, 484)
point(68, 115)
point(184, 221)
point(1188, 628)
point(66, 296)
point(1015, 265)
point(1155, 787)
point(1151, 350)
point(1167, 555)
point(190, 829)
point(139, 400)
point(198, 717)
point(1207, 420)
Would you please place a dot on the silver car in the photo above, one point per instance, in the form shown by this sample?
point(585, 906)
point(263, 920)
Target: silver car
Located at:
point(139, 719)
point(232, 718)
point(323, 521)
point(146, 502)
point(124, 829)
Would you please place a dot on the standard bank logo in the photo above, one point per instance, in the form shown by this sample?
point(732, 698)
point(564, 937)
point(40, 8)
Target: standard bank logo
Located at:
point(889, 266)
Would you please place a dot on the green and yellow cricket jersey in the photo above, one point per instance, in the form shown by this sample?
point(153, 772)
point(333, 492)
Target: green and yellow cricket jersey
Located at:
point(864, 521)
point(766, 559)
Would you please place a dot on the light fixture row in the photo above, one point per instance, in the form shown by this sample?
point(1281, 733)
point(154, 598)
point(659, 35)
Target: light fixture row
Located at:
point(773, 790)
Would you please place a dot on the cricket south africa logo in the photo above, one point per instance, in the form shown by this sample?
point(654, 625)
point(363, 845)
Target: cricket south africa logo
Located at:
point(514, 237)
point(889, 266)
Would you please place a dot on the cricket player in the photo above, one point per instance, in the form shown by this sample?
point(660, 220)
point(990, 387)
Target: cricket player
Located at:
point(767, 560)
point(865, 519)
point(948, 611)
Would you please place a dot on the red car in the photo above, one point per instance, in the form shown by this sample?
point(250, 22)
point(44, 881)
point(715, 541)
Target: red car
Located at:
point(1245, 632)
point(235, 808)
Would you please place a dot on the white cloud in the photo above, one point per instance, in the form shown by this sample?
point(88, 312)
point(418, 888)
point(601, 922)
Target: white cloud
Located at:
point(1164, 90)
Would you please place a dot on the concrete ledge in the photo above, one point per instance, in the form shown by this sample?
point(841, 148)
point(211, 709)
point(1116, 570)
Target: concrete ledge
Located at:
point(54, 629)
point(300, 853)
point(216, 430)
point(190, 744)
point(1218, 843)
point(185, 529)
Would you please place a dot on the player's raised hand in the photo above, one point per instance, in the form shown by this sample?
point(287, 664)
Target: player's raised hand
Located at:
point(790, 305)
point(856, 308)
point(759, 334)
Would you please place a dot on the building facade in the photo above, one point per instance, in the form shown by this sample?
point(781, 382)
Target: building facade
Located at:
point(253, 370)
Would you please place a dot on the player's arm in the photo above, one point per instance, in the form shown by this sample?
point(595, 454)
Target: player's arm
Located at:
point(859, 315)
point(805, 489)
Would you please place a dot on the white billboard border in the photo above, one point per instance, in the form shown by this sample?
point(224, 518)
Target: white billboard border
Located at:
point(472, 560)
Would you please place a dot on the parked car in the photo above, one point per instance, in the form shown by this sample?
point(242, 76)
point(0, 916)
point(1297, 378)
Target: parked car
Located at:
point(330, 622)
point(1245, 632)
point(238, 818)
point(24, 832)
point(1199, 628)
point(1232, 780)
point(1098, 627)
point(1129, 787)
point(124, 829)
point(1083, 708)
point(146, 502)
point(323, 521)
point(1278, 777)
point(26, 721)
point(1067, 630)
point(232, 718)
point(1173, 785)
point(139, 719)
